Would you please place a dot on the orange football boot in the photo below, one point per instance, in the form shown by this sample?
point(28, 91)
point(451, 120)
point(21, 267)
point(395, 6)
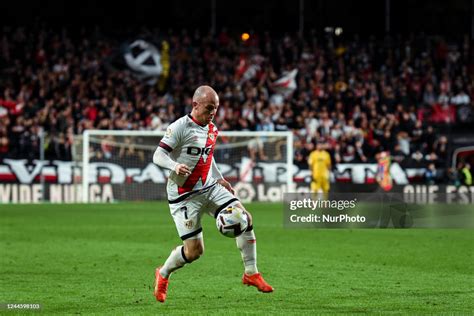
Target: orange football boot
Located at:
point(257, 281)
point(161, 286)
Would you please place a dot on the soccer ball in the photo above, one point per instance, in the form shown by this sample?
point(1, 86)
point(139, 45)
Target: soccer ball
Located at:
point(232, 221)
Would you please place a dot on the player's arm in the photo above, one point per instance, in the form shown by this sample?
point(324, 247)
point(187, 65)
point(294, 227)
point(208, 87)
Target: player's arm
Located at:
point(328, 161)
point(219, 178)
point(162, 157)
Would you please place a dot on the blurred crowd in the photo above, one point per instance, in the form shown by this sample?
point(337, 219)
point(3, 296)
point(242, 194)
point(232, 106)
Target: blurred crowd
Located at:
point(359, 96)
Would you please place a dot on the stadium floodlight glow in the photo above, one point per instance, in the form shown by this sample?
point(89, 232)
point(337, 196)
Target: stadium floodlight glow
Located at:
point(328, 29)
point(334, 30)
point(245, 36)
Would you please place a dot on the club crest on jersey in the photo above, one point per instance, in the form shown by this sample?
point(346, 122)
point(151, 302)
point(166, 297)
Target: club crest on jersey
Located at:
point(212, 136)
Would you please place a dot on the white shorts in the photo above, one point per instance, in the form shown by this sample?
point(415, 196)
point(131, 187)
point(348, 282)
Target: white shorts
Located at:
point(188, 212)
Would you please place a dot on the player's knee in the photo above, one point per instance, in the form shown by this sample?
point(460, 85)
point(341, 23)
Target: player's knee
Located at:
point(193, 253)
point(250, 222)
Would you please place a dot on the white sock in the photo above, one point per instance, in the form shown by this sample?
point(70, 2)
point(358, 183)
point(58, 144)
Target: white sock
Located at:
point(175, 261)
point(248, 249)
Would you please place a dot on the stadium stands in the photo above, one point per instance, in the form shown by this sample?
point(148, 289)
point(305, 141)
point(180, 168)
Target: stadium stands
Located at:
point(360, 96)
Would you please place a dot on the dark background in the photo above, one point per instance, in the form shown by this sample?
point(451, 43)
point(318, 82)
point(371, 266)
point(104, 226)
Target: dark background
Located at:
point(450, 18)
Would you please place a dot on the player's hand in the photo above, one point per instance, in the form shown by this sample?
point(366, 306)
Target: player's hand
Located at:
point(182, 170)
point(226, 185)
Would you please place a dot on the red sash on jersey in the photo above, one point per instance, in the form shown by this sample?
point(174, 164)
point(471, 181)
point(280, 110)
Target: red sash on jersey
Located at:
point(201, 170)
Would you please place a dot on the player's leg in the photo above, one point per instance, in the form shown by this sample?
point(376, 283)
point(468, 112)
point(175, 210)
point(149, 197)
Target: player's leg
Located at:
point(247, 244)
point(187, 218)
point(315, 186)
point(325, 187)
point(191, 250)
point(220, 198)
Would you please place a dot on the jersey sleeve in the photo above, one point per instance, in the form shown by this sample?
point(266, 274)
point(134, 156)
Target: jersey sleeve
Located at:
point(162, 158)
point(173, 137)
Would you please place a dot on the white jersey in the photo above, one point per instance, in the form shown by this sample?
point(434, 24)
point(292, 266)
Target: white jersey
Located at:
point(190, 143)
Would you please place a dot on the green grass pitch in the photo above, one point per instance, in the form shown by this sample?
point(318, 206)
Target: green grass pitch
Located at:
point(101, 259)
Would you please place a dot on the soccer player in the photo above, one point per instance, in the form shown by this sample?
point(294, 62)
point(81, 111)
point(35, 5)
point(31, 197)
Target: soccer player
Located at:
point(196, 186)
point(319, 162)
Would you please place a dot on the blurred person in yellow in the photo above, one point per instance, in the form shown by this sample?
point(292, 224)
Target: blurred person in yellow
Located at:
point(319, 162)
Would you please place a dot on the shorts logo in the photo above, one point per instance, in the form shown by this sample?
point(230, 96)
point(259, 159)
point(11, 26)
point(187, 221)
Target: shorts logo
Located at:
point(189, 224)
